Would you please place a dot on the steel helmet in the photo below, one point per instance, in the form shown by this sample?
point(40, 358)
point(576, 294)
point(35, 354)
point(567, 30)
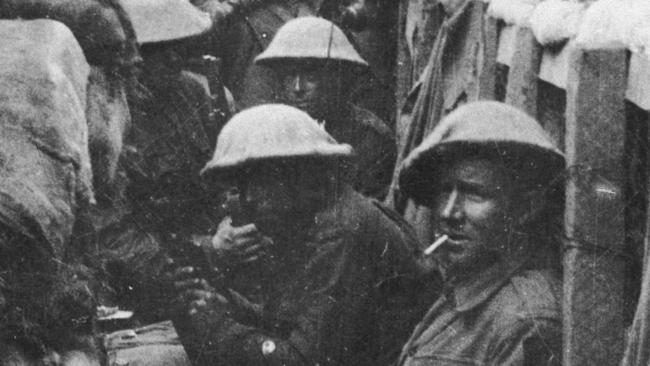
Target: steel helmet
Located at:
point(165, 20)
point(271, 131)
point(312, 38)
point(489, 129)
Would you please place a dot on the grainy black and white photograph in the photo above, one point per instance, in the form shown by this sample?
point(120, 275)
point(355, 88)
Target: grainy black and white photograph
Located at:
point(324, 182)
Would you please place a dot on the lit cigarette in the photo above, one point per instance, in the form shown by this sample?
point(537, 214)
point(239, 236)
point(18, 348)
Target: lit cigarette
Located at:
point(441, 240)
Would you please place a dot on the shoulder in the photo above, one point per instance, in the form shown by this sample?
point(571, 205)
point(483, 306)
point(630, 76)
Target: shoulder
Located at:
point(386, 234)
point(530, 299)
point(529, 325)
point(367, 120)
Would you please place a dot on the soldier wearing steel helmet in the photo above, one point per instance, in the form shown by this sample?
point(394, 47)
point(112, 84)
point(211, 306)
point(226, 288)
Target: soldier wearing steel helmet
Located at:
point(316, 66)
point(160, 200)
point(244, 29)
point(336, 266)
point(491, 176)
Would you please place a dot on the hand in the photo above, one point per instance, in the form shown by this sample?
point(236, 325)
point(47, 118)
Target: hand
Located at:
point(218, 10)
point(195, 294)
point(240, 244)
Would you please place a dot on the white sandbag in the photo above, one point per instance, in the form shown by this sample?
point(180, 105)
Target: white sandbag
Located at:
point(512, 11)
point(612, 24)
point(101, 27)
point(640, 32)
point(555, 21)
point(638, 81)
point(44, 161)
point(507, 44)
point(554, 68)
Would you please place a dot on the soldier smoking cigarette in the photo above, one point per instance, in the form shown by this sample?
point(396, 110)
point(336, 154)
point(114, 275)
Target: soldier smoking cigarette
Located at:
point(441, 240)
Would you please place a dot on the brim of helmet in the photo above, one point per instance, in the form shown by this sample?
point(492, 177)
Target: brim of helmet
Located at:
point(279, 61)
point(418, 172)
point(227, 167)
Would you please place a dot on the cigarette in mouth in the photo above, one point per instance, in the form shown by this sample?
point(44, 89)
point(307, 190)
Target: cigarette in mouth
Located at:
point(436, 244)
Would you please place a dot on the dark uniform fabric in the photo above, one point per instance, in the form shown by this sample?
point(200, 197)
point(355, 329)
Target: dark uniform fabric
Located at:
point(163, 200)
point(252, 84)
point(374, 145)
point(170, 141)
point(505, 316)
point(341, 294)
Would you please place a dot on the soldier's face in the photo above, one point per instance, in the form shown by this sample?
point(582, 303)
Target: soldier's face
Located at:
point(473, 205)
point(276, 196)
point(311, 87)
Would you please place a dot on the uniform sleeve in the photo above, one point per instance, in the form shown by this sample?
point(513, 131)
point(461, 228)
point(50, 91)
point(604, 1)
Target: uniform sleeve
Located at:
point(532, 342)
point(217, 338)
point(404, 294)
point(375, 175)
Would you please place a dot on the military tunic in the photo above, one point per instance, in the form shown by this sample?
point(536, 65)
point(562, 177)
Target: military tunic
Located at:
point(505, 316)
point(342, 293)
point(374, 144)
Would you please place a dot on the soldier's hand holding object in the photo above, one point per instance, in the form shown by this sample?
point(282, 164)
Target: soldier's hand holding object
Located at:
point(240, 244)
point(196, 294)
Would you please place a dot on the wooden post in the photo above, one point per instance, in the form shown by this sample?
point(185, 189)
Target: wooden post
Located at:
point(594, 218)
point(637, 350)
point(521, 91)
point(487, 73)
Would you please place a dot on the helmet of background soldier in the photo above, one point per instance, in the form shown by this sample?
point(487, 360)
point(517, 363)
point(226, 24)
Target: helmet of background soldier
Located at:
point(486, 129)
point(270, 132)
point(310, 38)
point(166, 20)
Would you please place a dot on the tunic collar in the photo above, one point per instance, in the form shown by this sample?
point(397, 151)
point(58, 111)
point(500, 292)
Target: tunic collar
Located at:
point(474, 292)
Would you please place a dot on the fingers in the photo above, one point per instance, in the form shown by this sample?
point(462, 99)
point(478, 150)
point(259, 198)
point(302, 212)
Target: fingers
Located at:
point(182, 273)
point(193, 283)
point(199, 300)
point(248, 229)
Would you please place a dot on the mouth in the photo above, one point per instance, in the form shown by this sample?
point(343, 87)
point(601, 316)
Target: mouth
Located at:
point(456, 241)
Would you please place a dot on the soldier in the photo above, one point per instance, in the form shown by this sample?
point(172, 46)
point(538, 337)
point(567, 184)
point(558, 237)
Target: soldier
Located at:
point(161, 200)
point(316, 67)
point(336, 264)
point(490, 175)
point(244, 29)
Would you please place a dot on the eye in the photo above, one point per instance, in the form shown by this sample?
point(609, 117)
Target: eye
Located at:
point(474, 197)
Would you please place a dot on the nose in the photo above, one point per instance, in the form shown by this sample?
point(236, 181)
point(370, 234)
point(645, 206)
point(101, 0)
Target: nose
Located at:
point(296, 84)
point(451, 209)
point(251, 194)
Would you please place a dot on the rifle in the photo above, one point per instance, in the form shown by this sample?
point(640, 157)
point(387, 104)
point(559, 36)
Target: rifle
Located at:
point(219, 111)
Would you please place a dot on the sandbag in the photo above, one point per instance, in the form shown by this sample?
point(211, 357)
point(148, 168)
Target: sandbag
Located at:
point(45, 172)
point(102, 27)
point(616, 24)
point(556, 21)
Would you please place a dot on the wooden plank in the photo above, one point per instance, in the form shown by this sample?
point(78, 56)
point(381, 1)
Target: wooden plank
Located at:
point(403, 64)
point(521, 91)
point(594, 278)
point(487, 73)
point(637, 350)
